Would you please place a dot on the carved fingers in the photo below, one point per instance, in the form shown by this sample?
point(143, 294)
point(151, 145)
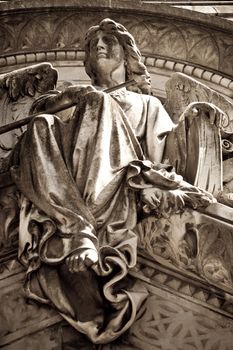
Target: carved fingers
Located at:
point(176, 200)
point(151, 197)
point(162, 202)
point(76, 91)
point(167, 202)
point(81, 260)
point(197, 198)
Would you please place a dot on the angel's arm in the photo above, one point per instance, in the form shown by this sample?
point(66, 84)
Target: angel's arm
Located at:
point(56, 100)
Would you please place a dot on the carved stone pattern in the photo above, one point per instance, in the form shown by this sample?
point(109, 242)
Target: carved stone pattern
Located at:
point(158, 36)
point(195, 290)
point(183, 41)
point(11, 112)
point(169, 325)
point(175, 66)
point(77, 57)
point(6, 40)
point(24, 324)
point(190, 243)
point(17, 314)
point(216, 254)
point(48, 338)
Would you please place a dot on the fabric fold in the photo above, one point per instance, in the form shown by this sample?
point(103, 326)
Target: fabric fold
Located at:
point(78, 182)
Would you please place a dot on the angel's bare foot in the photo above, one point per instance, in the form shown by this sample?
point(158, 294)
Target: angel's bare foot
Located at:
point(81, 260)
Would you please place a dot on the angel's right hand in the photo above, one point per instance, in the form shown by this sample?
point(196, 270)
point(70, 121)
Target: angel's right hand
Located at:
point(74, 92)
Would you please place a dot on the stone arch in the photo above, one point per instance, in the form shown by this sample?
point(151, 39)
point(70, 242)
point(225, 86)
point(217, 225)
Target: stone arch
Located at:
point(169, 38)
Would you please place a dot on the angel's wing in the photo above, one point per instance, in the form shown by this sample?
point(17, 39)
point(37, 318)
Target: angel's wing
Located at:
point(18, 90)
point(182, 90)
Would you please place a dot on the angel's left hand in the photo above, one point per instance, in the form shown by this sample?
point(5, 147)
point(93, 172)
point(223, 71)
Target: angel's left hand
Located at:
point(167, 202)
point(162, 201)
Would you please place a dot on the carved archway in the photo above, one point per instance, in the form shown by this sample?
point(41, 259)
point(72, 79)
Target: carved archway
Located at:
point(169, 38)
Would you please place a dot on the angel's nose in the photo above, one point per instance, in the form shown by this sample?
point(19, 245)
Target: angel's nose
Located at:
point(100, 44)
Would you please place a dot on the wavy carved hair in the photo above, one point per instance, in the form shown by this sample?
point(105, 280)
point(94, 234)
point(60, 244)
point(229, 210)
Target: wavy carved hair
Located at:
point(134, 65)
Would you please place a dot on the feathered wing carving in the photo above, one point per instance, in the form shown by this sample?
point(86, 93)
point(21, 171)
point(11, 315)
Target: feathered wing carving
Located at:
point(18, 90)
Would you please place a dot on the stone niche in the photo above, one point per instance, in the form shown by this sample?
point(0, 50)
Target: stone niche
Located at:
point(186, 269)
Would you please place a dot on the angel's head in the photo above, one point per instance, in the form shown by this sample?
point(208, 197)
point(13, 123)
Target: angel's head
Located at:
point(111, 41)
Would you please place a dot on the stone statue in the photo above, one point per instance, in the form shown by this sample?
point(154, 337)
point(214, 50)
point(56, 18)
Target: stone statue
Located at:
point(87, 181)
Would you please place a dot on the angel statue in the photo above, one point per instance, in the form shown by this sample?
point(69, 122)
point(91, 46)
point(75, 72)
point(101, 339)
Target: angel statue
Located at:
point(86, 182)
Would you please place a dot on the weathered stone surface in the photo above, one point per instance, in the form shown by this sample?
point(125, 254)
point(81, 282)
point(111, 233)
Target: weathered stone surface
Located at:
point(9, 218)
point(168, 322)
point(193, 249)
point(162, 30)
point(180, 312)
point(201, 243)
point(18, 90)
point(183, 90)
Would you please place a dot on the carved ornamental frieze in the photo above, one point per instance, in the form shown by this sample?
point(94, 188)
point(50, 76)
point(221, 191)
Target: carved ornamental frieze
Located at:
point(160, 32)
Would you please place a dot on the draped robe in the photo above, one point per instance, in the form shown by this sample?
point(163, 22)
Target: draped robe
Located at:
point(80, 181)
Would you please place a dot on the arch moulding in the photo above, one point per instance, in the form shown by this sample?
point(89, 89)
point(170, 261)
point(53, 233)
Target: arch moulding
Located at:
point(171, 39)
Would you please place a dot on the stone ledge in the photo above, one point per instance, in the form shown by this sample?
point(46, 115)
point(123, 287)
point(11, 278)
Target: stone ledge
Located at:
point(78, 56)
point(183, 284)
point(183, 295)
point(208, 47)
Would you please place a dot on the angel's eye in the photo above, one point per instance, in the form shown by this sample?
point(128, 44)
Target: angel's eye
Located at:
point(110, 39)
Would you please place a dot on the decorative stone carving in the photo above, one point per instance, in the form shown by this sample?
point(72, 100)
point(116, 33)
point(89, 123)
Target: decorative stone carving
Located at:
point(161, 33)
point(20, 318)
point(6, 40)
point(191, 241)
point(82, 193)
point(182, 90)
point(18, 90)
point(167, 323)
point(47, 338)
point(183, 283)
point(17, 313)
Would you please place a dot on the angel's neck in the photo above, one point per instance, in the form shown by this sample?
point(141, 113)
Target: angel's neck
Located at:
point(107, 79)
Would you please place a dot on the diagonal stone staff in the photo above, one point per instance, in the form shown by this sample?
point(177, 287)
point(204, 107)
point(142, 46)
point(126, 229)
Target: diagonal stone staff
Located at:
point(19, 123)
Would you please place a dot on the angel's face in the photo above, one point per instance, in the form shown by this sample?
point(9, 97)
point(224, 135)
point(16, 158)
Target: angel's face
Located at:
point(105, 51)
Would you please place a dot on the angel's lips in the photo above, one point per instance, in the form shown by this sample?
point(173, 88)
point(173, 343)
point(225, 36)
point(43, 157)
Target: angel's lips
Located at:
point(101, 55)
